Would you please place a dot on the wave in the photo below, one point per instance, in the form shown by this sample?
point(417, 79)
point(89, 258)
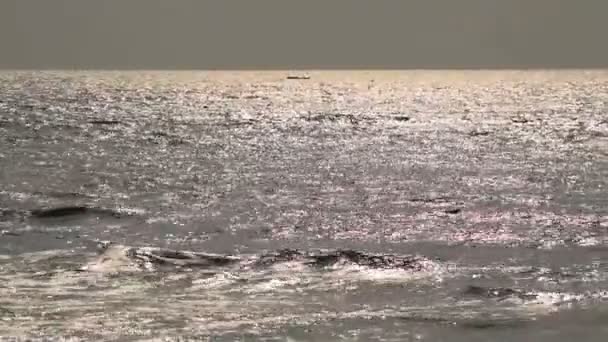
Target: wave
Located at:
point(116, 258)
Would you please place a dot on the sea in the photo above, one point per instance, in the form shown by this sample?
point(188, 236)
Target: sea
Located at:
point(304, 206)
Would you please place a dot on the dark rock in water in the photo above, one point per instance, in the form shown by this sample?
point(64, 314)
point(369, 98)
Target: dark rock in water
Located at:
point(181, 258)
point(102, 246)
point(330, 258)
point(489, 292)
point(371, 260)
point(452, 211)
point(117, 258)
point(520, 119)
point(497, 292)
point(479, 133)
point(402, 118)
point(284, 255)
point(328, 117)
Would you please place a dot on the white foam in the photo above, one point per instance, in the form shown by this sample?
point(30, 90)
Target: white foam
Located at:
point(430, 271)
point(114, 259)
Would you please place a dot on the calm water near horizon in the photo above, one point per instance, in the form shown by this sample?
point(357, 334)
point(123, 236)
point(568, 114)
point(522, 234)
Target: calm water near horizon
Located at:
point(350, 206)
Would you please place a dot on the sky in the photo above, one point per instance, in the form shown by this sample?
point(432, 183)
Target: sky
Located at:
point(304, 34)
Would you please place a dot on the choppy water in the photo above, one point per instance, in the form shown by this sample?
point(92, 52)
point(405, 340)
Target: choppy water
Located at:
point(353, 206)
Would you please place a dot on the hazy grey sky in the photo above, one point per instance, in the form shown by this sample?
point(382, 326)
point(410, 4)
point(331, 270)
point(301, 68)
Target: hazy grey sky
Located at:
point(303, 34)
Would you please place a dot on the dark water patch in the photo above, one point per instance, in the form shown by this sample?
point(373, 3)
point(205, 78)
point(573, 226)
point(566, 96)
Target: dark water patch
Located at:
point(158, 137)
point(424, 319)
point(7, 214)
point(336, 118)
point(430, 200)
point(4, 312)
point(478, 133)
point(237, 123)
point(70, 211)
point(15, 241)
point(484, 324)
point(59, 212)
point(105, 122)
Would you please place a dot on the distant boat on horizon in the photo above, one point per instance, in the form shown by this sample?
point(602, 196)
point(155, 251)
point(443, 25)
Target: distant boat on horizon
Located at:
point(298, 77)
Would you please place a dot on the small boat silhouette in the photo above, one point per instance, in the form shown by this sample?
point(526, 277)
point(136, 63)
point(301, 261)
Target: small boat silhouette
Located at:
point(298, 77)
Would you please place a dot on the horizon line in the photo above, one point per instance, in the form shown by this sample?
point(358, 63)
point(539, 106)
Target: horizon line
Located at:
point(286, 69)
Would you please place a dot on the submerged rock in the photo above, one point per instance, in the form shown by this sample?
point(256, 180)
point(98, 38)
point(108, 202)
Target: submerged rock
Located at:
point(118, 258)
point(383, 261)
point(500, 293)
point(330, 258)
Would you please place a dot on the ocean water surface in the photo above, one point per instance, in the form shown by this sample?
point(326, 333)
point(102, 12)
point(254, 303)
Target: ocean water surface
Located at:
point(350, 206)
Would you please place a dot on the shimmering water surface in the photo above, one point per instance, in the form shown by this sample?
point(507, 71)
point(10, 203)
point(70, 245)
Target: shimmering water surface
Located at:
point(351, 206)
